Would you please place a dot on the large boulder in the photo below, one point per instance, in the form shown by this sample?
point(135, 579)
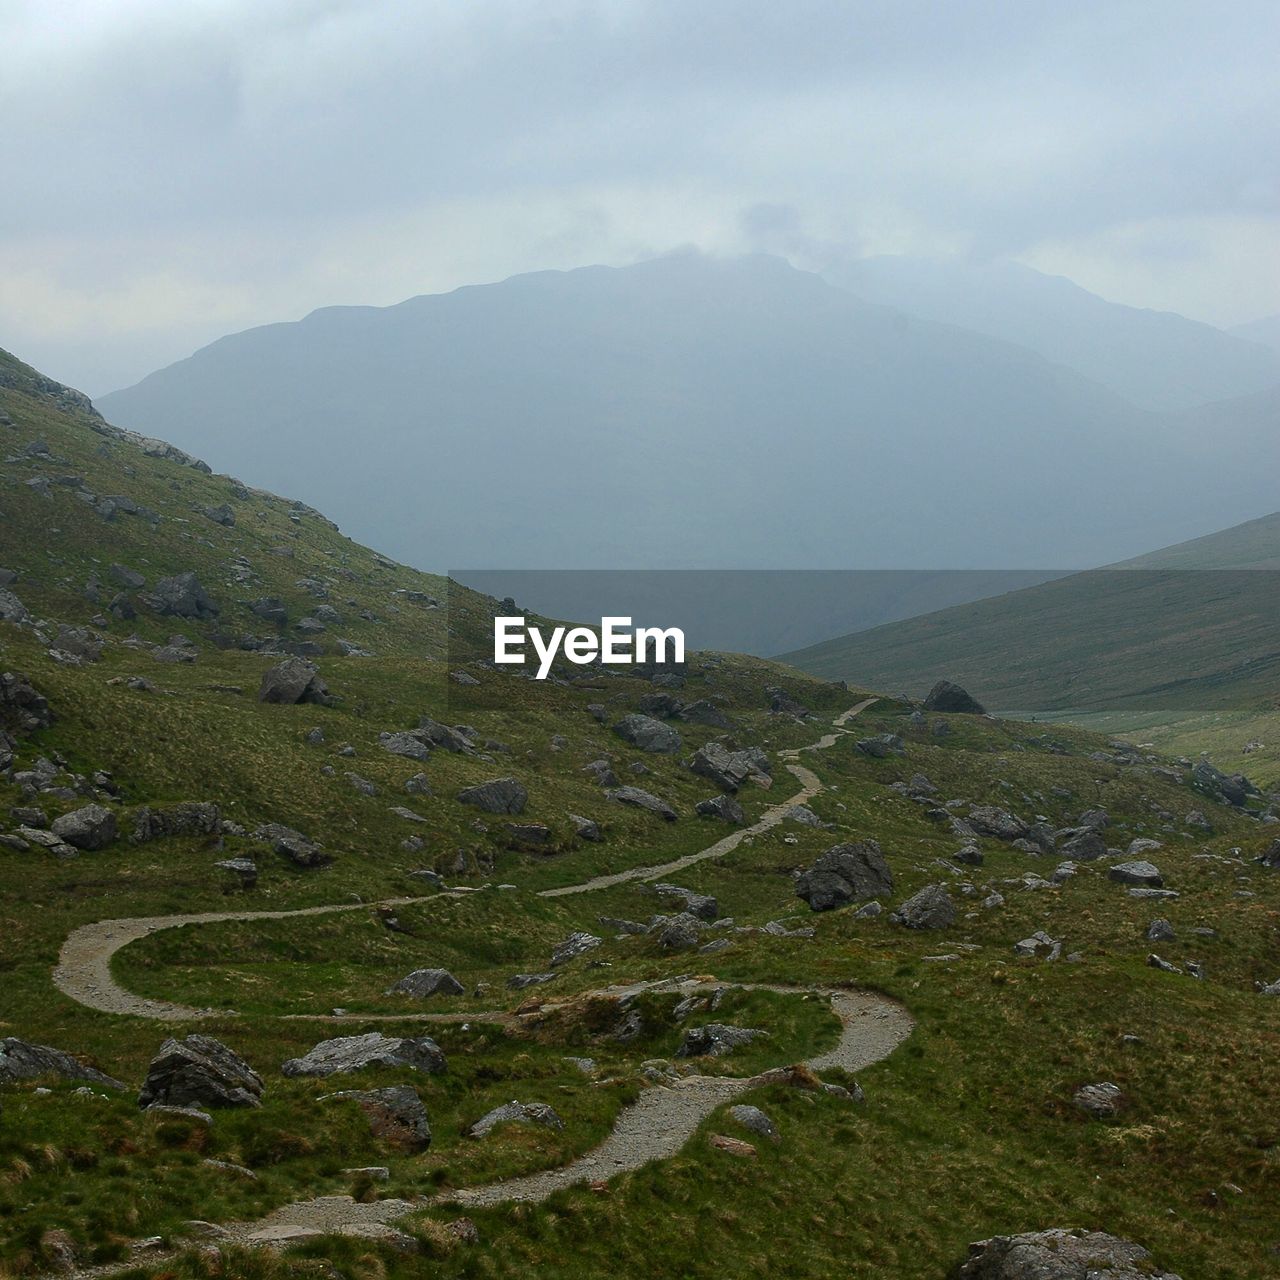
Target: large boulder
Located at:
point(846, 873)
point(92, 827)
point(724, 807)
point(11, 608)
point(422, 983)
point(182, 596)
point(356, 1053)
point(702, 905)
point(1058, 1254)
point(730, 769)
point(200, 1072)
point(498, 795)
point(395, 1114)
point(1081, 844)
point(1140, 872)
point(190, 818)
point(988, 820)
point(931, 908)
point(881, 746)
point(20, 1060)
point(293, 681)
point(408, 744)
point(946, 696)
point(443, 736)
point(638, 798)
point(293, 845)
point(648, 734)
point(576, 944)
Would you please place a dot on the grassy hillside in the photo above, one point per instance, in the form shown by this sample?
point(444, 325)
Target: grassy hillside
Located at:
point(967, 1129)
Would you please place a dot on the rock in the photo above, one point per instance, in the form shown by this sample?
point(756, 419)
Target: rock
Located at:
point(163, 1111)
point(1160, 931)
point(881, 746)
point(754, 1121)
point(58, 1251)
point(221, 514)
point(1101, 1100)
point(190, 818)
point(1143, 844)
point(292, 845)
point(498, 795)
point(868, 912)
point(639, 799)
point(22, 709)
point(729, 770)
point(715, 1040)
point(1039, 944)
point(948, 697)
point(676, 933)
point(1082, 844)
point(443, 736)
point(970, 855)
point(805, 817)
point(1059, 1254)
point(1270, 857)
point(395, 1114)
point(723, 807)
point(20, 1060)
point(200, 1071)
point(734, 1146)
point(295, 680)
point(270, 609)
point(845, 873)
point(704, 712)
point(514, 1112)
point(406, 744)
point(648, 734)
point(432, 879)
point(90, 828)
point(931, 908)
point(244, 869)
point(576, 944)
point(701, 905)
point(535, 835)
point(987, 820)
point(518, 981)
point(11, 608)
point(603, 773)
point(182, 596)
point(586, 828)
point(356, 1053)
point(1139, 873)
point(1155, 962)
point(422, 983)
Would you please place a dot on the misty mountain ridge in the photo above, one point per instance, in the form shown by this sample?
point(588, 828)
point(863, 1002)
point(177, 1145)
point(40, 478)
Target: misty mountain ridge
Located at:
point(691, 412)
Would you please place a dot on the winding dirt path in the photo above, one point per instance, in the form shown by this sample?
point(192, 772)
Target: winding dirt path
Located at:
point(654, 1127)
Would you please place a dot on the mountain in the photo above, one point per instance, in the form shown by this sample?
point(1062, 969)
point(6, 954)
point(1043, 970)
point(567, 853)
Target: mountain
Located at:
point(1265, 331)
point(1157, 359)
point(1188, 628)
point(688, 412)
point(199, 888)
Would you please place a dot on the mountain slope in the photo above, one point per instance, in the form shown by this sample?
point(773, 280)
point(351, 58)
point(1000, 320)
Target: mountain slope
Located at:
point(1157, 359)
point(1265, 331)
point(1193, 626)
point(690, 413)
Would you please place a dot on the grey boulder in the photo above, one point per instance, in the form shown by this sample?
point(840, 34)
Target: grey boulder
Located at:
point(715, 1040)
point(293, 681)
point(20, 1060)
point(1139, 873)
point(200, 1072)
point(395, 1114)
point(648, 734)
point(90, 828)
point(422, 983)
point(640, 799)
point(498, 795)
point(1059, 1254)
point(931, 908)
point(946, 696)
point(513, 1112)
point(845, 873)
point(356, 1053)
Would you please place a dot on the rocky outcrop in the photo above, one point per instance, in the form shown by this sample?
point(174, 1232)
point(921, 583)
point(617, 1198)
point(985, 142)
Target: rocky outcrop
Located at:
point(1058, 1254)
point(357, 1053)
point(715, 1040)
point(576, 944)
point(648, 734)
point(422, 983)
point(191, 818)
point(498, 795)
point(23, 710)
point(846, 873)
point(293, 681)
point(200, 1072)
point(948, 697)
point(182, 596)
point(20, 1060)
point(90, 828)
point(931, 908)
point(729, 770)
point(640, 799)
point(723, 807)
point(293, 845)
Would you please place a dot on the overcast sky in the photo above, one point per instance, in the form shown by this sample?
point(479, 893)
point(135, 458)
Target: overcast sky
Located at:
point(176, 171)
